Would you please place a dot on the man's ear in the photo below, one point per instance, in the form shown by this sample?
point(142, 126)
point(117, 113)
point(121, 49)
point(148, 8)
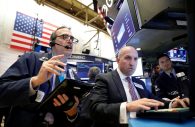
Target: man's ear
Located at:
point(117, 59)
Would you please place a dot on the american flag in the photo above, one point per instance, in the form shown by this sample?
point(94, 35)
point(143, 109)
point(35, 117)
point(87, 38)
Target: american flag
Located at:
point(27, 29)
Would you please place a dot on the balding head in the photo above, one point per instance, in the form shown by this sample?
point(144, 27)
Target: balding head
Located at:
point(126, 49)
point(127, 60)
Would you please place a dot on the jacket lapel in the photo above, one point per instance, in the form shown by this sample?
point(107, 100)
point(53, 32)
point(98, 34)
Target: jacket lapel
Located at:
point(119, 85)
point(46, 87)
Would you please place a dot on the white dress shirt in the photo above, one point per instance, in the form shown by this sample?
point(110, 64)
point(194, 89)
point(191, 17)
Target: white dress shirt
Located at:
point(124, 115)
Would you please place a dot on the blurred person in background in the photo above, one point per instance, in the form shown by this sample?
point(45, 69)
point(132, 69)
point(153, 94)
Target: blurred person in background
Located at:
point(92, 73)
point(85, 118)
point(168, 84)
point(155, 73)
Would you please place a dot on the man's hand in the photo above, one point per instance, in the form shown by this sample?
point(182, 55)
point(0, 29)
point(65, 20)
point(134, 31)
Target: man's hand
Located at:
point(180, 103)
point(62, 99)
point(143, 104)
point(47, 69)
point(73, 111)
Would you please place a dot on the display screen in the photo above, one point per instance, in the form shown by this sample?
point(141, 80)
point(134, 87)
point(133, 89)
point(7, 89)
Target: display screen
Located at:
point(83, 68)
point(123, 27)
point(178, 54)
point(139, 69)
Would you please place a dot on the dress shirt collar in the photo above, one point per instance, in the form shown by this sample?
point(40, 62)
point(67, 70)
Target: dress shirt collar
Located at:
point(172, 71)
point(122, 76)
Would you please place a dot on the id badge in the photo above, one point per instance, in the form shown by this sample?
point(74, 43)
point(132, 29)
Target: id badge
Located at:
point(40, 95)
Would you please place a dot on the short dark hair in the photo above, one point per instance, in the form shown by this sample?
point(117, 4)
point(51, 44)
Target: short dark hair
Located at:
point(162, 55)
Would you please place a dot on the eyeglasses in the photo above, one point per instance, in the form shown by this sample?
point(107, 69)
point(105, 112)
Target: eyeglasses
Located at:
point(69, 37)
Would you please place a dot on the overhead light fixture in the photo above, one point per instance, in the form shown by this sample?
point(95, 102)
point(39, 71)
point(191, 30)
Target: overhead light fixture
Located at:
point(138, 49)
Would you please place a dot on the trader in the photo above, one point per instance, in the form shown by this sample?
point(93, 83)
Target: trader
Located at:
point(31, 78)
point(169, 85)
point(117, 95)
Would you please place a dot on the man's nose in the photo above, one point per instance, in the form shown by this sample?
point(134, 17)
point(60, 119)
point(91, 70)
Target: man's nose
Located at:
point(132, 62)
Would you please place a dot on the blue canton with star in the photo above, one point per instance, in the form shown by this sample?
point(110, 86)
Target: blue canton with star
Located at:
point(28, 25)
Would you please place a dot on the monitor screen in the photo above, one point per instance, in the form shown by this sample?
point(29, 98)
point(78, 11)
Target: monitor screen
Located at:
point(124, 26)
point(139, 69)
point(148, 83)
point(115, 65)
point(178, 54)
point(83, 68)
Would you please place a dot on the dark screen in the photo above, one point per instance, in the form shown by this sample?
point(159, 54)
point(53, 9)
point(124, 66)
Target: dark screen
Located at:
point(123, 27)
point(83, 68)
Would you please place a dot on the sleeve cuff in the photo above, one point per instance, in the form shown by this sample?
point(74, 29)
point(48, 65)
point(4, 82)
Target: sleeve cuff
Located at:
point(123, 118)
point(31, 90)
point(72, 119)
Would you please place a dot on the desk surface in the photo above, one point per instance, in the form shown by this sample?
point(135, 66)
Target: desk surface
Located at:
point(140, 122)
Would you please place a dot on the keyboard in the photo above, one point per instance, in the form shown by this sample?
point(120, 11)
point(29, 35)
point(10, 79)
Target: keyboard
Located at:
point(171, 110)
point(174, 114)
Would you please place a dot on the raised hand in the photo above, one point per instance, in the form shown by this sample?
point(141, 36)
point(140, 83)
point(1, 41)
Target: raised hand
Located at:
point(47, 69)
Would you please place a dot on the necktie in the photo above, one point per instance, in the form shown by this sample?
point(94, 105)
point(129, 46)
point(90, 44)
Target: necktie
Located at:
point(131, 89)
point(172, 76)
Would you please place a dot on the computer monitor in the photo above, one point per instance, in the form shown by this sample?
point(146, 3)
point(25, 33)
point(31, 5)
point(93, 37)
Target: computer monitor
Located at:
point(125, 25)
point(147, 82)
point(115, 65)
point(83, 68)
point(178, 54)
point(139, 69)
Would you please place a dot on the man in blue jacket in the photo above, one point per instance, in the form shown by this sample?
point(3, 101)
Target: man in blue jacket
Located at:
point(168, 83)
point(31, 78)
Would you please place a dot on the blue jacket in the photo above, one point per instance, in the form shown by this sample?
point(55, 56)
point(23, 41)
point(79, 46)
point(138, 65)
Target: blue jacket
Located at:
point(168, 87)
point(14, 91)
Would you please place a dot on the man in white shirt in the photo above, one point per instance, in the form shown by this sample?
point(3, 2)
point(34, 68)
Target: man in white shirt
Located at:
point(117, 94)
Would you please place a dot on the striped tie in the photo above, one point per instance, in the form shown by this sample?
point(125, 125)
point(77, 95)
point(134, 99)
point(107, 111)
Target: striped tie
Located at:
point(131, 89)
